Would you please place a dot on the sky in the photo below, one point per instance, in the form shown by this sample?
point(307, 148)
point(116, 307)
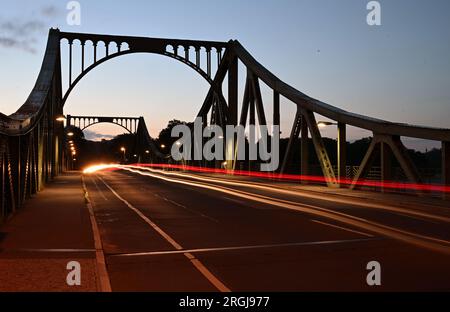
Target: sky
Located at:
point(398, 71)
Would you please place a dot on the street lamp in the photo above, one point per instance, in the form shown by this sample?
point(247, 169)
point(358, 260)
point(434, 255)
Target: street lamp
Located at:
point(163, 146)
point(323, 124)
point(60, 118)
point(123, 150)
point(70, 134)
point(147, 152)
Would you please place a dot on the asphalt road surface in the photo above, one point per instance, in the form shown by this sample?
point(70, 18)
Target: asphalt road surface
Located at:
point(165, 231)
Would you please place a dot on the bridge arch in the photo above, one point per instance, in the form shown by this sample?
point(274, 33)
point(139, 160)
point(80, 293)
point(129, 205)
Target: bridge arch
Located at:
point(130, 124)
point(166, 47)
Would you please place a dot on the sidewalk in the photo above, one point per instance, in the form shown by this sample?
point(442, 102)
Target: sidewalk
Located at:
point(48, 232)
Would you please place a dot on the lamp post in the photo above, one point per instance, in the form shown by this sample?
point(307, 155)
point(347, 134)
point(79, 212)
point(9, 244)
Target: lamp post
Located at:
point(60, 118)
point(123, 150)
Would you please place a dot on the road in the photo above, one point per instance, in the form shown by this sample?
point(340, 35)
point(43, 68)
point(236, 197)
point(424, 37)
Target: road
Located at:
point(171, 231)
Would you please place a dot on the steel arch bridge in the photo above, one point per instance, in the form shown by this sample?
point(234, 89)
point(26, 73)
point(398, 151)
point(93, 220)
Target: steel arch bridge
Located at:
point(130, 124)
point(31, 140)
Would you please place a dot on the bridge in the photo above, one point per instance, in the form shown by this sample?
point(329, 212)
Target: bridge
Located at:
point(130, 124)
point(202, 231)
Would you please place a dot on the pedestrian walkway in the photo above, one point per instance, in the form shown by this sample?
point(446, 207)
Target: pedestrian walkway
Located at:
point(49, 231)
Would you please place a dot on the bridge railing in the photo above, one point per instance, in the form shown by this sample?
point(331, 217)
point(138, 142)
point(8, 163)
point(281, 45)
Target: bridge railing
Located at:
point(31, 140)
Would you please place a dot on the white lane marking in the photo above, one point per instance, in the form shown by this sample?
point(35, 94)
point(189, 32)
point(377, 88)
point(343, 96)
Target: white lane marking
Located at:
point(302, 193)
point(102, 271)
point(423, 241)
point(197, 264)
point(342, 228)
point(205, 250)
point(99, 190)
point(186, 208)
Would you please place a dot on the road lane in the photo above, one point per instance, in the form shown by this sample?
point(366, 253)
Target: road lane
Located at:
point(388, 223)
point(294, 251)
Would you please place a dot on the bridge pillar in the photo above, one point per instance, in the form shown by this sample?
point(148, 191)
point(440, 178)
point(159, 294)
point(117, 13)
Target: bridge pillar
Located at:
point(446, 165)
point(342, 151)
point(386, 163)
point(233, 111)
point(276, 108)
point(304, 149)
point(233, 91)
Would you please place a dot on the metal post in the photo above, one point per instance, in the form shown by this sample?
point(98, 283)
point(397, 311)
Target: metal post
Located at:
point(233, 91)
point(82, 56)
point(197, 57)
point(70, 63)
point(219, 57)
point(342, 151)
point(304, 149)
point(208, 60)
point(186, 53)
point(386, 163)
point(446, 165)
point(95, 52)
point(276, 108)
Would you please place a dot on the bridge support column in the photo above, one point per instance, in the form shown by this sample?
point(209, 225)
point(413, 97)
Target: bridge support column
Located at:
point(304, 149)
point(233, 91)
point(446, 165)
point(276, 108)
point(233, 111)
point(386, 164)
point(322, 155)
point(295, 132)
point(342, 152)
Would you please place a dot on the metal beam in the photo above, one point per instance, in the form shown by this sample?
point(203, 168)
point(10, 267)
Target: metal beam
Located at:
point(342, 151)
point(258, 101)
point(233, 91)
point(401, 153)
point(386, 163)
point(304, 146)
point(295, 132)
point(366, 162)
point(321, 151)
point(276, 108)
point(445, 165)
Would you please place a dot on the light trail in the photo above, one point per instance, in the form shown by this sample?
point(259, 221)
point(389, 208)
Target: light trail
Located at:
point(309, 178)
point(423, 241)
point(100, 167)
point(280, 190)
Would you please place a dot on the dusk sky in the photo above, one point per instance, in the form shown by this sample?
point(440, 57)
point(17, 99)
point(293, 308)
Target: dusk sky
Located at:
point(399, 71)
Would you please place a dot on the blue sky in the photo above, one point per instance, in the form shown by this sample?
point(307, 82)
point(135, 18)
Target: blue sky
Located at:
point(399, 71)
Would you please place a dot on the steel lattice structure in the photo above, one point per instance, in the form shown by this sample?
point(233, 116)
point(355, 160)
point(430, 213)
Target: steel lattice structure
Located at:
point(31, 141)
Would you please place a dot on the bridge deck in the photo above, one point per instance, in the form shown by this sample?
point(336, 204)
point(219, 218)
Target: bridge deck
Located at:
point(173, 233)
